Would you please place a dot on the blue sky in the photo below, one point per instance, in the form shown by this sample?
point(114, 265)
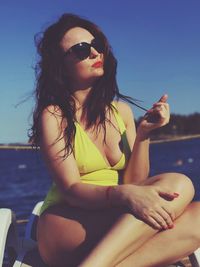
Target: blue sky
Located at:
point(156, 42)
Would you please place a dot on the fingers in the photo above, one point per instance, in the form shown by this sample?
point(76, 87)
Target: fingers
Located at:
point(159, 113)
point(170, 213)
point(168, 195)
point(153, 223)
point(162, 107)
point(165, 218)
point(157, 116)
point(163, 98)
point(159, 214)
point(162, 219)
point(162, 110)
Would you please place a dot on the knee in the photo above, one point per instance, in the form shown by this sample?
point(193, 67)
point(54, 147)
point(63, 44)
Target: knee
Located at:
point(181, 184)
point(195, 216)
point(185, 185)
point(177, 182)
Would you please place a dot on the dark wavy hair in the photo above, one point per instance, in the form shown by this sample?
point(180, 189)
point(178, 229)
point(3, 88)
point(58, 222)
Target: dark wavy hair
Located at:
point(52, 84)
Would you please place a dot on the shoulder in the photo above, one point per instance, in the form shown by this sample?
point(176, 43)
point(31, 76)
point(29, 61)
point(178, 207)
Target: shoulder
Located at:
point(52, 118)
point(125, 111)
point(52, 112)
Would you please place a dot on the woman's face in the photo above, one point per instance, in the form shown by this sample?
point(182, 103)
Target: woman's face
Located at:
point(86, 70)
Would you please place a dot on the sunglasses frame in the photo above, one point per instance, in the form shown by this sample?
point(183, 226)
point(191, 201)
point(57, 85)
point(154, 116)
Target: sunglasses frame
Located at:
point(86, 49)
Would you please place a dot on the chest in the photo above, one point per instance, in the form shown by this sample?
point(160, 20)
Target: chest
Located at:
point(107, 141)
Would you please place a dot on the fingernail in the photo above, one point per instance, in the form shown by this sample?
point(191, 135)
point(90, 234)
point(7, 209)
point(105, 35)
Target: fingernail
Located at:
point(176, 194)
point(171, 226)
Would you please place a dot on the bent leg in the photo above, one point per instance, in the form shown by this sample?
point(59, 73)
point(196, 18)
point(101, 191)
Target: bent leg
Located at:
point(176, 182)
point(129, 233)
point(171, 245)
point(66, 235)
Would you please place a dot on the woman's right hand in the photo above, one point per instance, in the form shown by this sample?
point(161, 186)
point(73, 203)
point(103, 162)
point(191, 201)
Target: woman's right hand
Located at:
point(149, 204)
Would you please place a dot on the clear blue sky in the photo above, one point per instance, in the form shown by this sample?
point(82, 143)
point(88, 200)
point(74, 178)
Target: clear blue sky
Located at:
point(156, 42)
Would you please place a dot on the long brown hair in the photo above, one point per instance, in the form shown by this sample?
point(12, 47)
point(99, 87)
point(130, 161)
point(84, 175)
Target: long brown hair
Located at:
point(52, 85)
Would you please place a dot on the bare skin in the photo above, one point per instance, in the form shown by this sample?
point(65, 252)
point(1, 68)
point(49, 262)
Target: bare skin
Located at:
point(78, 230)
point(124, 243)
point(139, 211)
point(178, 242)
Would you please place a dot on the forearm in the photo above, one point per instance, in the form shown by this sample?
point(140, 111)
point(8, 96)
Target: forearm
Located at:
point(90, 196)
point(138, 167)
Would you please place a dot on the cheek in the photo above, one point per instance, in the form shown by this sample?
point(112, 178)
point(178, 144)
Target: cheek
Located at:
point(74, 70)
point(82, 70)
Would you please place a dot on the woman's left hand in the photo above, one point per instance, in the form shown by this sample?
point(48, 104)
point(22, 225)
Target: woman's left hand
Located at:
point(156, 117)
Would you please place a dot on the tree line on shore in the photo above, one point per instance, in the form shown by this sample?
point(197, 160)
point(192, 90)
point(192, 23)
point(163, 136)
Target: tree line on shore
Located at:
point(178, 125)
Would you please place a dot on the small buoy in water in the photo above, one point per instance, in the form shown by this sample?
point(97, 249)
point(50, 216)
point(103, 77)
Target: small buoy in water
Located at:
point(190, 160)
point(22, 166)
point(179, 162)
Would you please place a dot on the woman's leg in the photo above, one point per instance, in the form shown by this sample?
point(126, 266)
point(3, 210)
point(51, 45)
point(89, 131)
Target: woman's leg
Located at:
point(129, 233)
point(66, 235)
point(169, 246)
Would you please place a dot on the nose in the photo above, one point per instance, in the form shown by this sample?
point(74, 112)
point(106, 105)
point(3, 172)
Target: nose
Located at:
point(93, 52)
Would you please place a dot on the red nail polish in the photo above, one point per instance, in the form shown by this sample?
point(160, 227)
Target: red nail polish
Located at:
point(176, 194)
point(171, 226)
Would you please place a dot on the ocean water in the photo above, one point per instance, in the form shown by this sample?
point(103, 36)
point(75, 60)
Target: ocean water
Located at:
point(178, 156)
point(24, 179)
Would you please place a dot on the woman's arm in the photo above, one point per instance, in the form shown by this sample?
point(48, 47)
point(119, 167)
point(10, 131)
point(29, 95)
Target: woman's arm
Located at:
point(138, 166)
point(137, 169)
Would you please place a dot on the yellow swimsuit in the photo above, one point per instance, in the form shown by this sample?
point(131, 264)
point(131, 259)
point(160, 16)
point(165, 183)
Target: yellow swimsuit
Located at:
point(91, 164)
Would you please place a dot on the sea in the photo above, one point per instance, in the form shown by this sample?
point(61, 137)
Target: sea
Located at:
point(24, 179)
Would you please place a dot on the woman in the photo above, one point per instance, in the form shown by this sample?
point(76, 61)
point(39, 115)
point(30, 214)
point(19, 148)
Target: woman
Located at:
point(101, 209)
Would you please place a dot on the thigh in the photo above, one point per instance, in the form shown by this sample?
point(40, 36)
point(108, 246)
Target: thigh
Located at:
point(174, 182)
point(66, 235)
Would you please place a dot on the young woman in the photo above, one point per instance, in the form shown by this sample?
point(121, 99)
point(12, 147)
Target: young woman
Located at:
point(102, 210)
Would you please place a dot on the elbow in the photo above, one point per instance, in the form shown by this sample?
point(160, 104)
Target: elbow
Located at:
point(70, 194)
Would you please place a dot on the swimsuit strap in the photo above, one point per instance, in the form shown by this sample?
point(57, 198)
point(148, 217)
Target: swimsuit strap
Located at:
point(119, 119)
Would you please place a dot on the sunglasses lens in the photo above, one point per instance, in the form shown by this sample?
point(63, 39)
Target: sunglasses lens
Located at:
point(98, 46)
point(82, 50)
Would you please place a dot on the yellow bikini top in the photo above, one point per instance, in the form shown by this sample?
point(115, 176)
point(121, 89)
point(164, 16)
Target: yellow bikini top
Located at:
point(91, 164)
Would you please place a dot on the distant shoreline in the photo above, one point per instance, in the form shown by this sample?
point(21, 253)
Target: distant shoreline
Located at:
point(175, 138)
point(16, 147)
point(160, 140)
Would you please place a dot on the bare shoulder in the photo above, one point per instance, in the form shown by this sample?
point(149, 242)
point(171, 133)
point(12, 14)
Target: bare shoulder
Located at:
point(52, 110)
point(125, 111)
point(52, 123)
point(52, 114)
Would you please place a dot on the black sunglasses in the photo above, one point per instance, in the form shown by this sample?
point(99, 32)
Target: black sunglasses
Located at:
point(83, 50)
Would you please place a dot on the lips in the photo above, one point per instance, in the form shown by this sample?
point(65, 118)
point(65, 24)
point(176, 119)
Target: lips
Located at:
point(97, 64)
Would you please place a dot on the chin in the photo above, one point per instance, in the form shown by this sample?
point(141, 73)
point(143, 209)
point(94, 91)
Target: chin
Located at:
point(99, 72)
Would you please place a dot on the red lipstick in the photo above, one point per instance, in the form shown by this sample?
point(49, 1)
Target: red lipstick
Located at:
point(97, 64)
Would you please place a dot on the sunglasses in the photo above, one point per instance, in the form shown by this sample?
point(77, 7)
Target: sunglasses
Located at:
point(83, 50)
